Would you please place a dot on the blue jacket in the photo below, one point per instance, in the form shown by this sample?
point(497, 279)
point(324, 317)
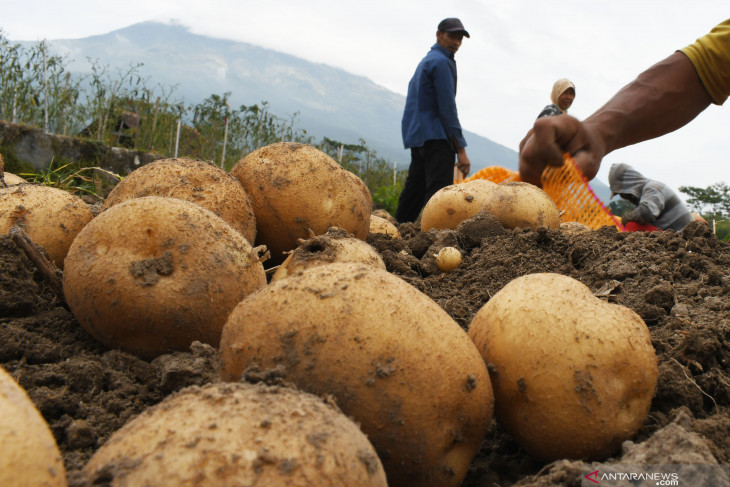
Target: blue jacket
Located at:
point(430, 111)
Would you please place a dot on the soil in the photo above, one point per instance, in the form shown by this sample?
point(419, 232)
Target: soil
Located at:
point(679, 283)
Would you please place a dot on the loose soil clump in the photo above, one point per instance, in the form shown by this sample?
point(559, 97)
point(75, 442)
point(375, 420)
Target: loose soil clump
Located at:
point(679, 283)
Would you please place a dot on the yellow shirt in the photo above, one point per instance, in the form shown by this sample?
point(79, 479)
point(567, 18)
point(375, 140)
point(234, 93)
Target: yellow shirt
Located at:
point(710, 56)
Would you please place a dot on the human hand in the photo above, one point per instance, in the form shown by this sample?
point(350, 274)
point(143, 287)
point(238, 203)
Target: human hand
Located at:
point(551, 137)
point(463, 162)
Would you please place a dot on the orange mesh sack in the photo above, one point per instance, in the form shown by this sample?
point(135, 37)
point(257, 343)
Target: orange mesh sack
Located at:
point(568, 188)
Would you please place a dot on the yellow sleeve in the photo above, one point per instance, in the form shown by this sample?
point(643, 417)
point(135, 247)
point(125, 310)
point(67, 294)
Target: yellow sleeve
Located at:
point(710, 56)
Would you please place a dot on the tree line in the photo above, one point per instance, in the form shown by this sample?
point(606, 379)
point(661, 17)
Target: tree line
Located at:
point(119, 108)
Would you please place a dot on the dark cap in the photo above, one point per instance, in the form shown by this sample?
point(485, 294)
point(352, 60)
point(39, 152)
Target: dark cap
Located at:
point(453, 24)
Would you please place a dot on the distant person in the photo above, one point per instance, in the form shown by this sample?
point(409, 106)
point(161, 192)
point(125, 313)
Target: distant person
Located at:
point(562, 97)
point(657, 205)
point(662, 99)
point(430, 125)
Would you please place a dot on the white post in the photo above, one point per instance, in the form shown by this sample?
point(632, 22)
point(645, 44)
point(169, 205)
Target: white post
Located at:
point(45, 91)
point(225, 140)
point(393, 173)
point(177, 137)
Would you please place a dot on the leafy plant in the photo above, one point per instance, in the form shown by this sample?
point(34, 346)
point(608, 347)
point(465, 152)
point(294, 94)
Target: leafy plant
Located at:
point(71, 177)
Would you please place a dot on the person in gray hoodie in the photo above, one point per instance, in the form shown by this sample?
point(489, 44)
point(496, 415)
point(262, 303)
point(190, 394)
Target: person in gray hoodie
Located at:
point(656, 203)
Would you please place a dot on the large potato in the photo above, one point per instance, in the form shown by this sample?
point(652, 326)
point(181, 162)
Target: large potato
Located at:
point(573, 376)
point(29, 455)
point(297, 188)
point(154, 274)
point(334, 246)
point(517, 204)
point(199, 182)
point(393, 359)
point(453, 204)
point(232, 435)
point(51, 217)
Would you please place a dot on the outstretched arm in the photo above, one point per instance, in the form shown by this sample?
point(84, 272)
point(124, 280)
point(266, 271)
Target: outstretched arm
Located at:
point(660, 100)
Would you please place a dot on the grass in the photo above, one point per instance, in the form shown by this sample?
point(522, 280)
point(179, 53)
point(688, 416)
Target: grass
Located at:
point(71, 177)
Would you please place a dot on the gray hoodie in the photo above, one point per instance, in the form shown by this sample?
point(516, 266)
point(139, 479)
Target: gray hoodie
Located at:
point(658, 204)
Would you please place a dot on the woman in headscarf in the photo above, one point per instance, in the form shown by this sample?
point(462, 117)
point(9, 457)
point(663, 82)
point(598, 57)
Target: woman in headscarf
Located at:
point(562, 97)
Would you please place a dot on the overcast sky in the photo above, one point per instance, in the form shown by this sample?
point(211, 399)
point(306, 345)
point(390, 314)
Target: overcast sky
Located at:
point(517, 49)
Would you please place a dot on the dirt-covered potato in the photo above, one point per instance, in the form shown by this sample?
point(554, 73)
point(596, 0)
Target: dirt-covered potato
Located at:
point(381, 225)
point(51, 217)
point(453, 204)
point(154, 274)
point(573, 376)
point(297, 188)
point(232, 435)
point(193, 180)
point(395, 361)
point(517, 204)
point(29, 455)
point(334, 246)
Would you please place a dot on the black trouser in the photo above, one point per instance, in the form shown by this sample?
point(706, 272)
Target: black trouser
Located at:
point(432, 168)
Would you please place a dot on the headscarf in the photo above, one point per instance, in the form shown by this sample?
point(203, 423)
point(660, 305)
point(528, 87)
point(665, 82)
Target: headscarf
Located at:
point(559, 88)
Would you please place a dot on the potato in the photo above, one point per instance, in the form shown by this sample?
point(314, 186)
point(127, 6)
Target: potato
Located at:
point(453, 204)
point(381, 225)
point(29, 456)
point(193, 180)
point(153, 274)
point(12, 179)
point(295, 188)
point(334, 246)
point(384, 214)
point(573, 376)
point(393, 359)
point(517, 204)
point(448, 259)
point(51, 217)
point(572, 228)
point(235, 435)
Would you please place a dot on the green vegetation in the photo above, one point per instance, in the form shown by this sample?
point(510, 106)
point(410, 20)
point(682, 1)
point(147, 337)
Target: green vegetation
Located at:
point(713, 203)
point(119, 109)
point(71, 177)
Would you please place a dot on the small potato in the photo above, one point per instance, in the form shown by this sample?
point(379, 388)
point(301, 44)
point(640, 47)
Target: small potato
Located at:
point(153, 274)
point(29, 455)
point(51, 217)
point(453, 204)
point(573, 376)
point(193, 180)
point(522, 205)
point(381, 225)
point(572, 228)
point(384, 214)
point(448, 259)
point(334, 246)
point(232, 435)
point(12, 179)
point(394, 360)
point(296, 189)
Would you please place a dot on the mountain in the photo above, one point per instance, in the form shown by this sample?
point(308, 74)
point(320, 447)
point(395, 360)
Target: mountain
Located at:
point(328, 101)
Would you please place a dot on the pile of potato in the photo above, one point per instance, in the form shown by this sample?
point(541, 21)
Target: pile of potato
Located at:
point(179, 254)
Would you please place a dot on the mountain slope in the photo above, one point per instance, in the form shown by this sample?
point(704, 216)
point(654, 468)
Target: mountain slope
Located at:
point(328, 101)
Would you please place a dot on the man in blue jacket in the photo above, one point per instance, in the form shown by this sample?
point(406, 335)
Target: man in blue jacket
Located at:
point(430, 124)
